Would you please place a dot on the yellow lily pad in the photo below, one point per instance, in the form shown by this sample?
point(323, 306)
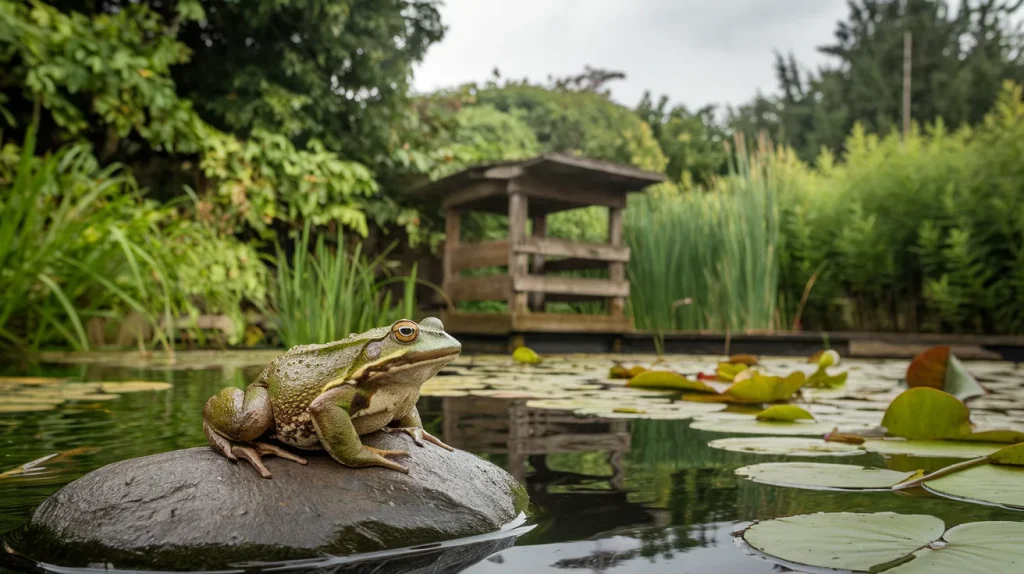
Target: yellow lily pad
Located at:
point(787, 413)
point(728, 371)
point(133, 386)
point(31, 380)
point(668, 380)
point(525, 355)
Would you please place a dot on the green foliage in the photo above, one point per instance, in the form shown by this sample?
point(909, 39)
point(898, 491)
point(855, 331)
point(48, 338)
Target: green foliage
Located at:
point(707, 260)
point(329, 293)
point(694, 143)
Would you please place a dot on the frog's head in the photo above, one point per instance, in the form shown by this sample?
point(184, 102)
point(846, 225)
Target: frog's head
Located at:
point(406, 352)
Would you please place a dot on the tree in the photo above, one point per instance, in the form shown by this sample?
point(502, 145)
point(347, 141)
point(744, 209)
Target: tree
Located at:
point(693, 142)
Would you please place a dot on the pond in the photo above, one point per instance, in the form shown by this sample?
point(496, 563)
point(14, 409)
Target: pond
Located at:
point(613, 492)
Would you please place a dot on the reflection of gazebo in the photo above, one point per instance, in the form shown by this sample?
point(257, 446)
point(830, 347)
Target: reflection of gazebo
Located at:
point(530, 190)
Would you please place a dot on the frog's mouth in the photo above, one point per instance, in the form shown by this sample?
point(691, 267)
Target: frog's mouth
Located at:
point(407, 362)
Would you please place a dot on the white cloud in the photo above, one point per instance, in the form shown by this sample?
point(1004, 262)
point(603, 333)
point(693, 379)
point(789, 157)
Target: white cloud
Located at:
point(696, 51)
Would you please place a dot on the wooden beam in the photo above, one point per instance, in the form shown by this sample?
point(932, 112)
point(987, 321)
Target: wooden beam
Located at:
point(562, 248)
point(483, 254)
point(452, 223)
point(473, 192)
point(617, 269)
point(571, 286)
point(567, 193)
point(574, 264)
point(569, 323)
point(486, 288)
point(477, 323)
point(518, 210)
point(540, 229)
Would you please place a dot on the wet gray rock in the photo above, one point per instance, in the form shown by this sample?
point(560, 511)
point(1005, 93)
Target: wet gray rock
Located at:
point(194, 509)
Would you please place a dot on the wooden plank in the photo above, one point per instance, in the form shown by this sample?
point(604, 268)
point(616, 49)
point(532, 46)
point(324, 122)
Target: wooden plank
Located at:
point(573, 264)
point(616, 270)
point(570, 323)
point(518, 210)
point(882, 349)
point(571, 286)
point(452, 222)
point(571, 196)
point(473, 192)
point(485, 288)
point(563, 248)
point(483, 254)
point(477, 323)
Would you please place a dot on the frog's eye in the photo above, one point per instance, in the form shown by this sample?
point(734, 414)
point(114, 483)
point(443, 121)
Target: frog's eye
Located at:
point(406, 331)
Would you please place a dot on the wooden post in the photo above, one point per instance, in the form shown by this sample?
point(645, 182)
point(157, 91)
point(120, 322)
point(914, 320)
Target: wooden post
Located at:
point(616, 270)
point(517, 264)
point(540, 229)
point(452, 225)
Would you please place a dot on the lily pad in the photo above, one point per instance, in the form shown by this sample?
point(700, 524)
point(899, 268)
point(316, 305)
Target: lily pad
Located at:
point(925, 413)
point(816, 475)
point(788, 413)
point(767, 389)
point(822, 380)
point(938, 368)
point(973, 547)
point(134, 386)
point(985, 484)
point(525, 355)
point(768, 428)
point(31, 380)
point(668, 380)
point(729, 371)
point(844, 540)
point(932, 448)
point(786, 446)
point(826, 358)
point(744, 359)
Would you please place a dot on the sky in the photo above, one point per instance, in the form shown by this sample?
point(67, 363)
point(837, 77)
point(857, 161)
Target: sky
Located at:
point(695, 51)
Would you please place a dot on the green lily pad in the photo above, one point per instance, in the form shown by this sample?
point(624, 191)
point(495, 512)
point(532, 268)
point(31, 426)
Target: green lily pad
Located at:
point(768, 428)
point(844, 540)
point(985, 484)
point(932, 448)
point(972, 547)
point(767, 389)
point(133, 386)
point(924, 413)
point(816, 475)
point(822, 380)
point(786, 446)
point(1004, 436)
point(788, 413)
point(728, 371)
point(1011, 455)
point(668, 380)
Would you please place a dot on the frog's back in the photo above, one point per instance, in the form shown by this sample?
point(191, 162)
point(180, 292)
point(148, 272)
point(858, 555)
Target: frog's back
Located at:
point(296, 378)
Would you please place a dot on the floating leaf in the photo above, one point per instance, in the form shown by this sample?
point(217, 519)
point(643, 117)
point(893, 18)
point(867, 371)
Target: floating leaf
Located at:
point(973, 547)
point(785, 446)
point(749, 360)
point(844, 437)
point(826, 358)
point(525, 355)
point(1004, 436)
point(844, 540)
point(767, 428)
point(816, 475)
point(634, 371)
point(27, 407)
point(986, 484)
point(931, 448)
point(1011, 455)
point(767, 389)
point(728, 371)
point(31, 380)
point(668, 380)
point(938, 368)
point(822, 380)
point(619, 372)
point(925, 413)
point(134, 386)
point(787, 413)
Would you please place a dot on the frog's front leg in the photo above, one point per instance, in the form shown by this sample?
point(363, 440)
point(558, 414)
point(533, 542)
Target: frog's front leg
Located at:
point(232, 421)
point(411, 425)
point(331, 414)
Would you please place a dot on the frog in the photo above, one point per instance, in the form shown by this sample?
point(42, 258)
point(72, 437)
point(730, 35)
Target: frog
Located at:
point(324, 397)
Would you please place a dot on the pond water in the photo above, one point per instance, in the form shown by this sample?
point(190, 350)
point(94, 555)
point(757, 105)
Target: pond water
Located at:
point(612, 493)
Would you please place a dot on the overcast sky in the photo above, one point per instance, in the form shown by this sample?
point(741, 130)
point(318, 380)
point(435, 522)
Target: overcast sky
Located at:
point(695, 51)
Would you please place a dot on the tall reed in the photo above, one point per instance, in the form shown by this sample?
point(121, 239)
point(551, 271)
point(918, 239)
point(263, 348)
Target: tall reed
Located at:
point(324, 294)
point(707, 260)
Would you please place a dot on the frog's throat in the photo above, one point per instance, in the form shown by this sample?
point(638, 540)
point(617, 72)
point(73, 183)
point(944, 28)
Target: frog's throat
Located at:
point(393, 365)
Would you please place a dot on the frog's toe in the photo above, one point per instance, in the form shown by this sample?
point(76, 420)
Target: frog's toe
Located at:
point(434, 440)
point(269, 449)
point(250, 454)
point(380, 452)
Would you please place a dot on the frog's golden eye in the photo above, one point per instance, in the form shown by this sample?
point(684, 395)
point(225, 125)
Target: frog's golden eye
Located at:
point(406, 331)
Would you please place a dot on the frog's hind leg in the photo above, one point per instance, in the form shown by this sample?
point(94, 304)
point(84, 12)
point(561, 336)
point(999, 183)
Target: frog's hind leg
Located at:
point(232, 421)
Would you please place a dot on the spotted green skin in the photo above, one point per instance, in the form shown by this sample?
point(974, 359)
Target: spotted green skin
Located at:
point(325, 396)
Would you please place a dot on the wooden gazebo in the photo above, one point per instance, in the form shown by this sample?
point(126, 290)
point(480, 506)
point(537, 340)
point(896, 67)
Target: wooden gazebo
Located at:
point(530, 190)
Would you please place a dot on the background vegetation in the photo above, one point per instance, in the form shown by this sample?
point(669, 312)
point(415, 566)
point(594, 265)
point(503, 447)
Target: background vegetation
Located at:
point(176, 142)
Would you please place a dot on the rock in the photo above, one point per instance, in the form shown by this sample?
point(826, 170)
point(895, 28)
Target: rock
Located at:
point(194, 509)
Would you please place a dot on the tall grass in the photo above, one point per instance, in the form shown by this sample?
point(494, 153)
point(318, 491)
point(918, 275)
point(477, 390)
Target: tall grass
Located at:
point(707, 260)
point(324, 294)
point(61, 248)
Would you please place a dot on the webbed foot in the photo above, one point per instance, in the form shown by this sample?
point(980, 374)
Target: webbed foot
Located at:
point(253, 452)
point(418, 436)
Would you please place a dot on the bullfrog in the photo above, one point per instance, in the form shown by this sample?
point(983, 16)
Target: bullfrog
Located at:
point(324, 397)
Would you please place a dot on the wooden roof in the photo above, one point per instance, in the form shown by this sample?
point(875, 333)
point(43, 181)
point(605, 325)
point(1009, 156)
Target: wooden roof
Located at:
point(590, 173)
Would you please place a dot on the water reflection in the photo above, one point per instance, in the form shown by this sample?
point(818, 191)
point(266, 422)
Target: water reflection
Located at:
point(607, 495)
